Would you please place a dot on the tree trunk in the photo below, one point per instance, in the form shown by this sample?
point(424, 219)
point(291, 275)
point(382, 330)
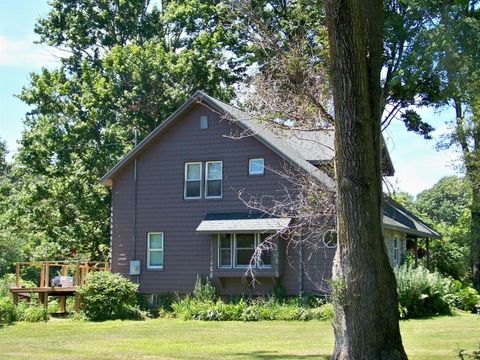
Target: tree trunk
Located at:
point(364, 287)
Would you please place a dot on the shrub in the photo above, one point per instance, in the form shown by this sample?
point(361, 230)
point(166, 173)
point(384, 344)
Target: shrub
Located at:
point(422, 293)
point(204, 291)
point(8, 312)
point(31, 313)
point(108, 296)
point(464, 297)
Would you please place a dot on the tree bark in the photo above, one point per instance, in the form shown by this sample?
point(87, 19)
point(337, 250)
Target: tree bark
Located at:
point(364, 286)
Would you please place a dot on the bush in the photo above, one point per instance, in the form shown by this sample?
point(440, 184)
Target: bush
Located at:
point(108, 296)
point(189, 308)
point(464, 297)
point(422, 293)
point(31, 313)
point(8, 312)
point(204, 291)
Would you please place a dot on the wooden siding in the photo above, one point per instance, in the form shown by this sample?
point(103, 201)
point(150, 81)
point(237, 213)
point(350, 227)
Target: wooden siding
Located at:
point(161, 206)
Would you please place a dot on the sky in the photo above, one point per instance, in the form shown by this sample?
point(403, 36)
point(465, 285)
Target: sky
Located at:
point(417, 163)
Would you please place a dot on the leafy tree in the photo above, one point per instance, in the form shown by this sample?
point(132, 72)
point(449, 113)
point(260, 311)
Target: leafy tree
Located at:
point(129, 66)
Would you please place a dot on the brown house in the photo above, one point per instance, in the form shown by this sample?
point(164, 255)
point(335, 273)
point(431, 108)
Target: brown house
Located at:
point(176, 212)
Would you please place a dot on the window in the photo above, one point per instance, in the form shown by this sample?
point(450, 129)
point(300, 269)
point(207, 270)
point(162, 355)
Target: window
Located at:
point(244, 249)
point(204, 122)
point(237, 250)
point(330, 239)
point(225, 250)
point(256, 166)
point(155, 250)
point(265, 260)
point(193, 180)
point(395, 249)
point(213, 179)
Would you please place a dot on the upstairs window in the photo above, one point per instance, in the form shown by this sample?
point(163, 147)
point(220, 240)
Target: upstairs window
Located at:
point(213, 179)
point(256, 166)
point(204, 122)
point(193, 180)
point(155, 250)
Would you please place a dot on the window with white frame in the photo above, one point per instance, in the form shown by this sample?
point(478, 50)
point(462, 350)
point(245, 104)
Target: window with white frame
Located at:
point(225, 250)
point(213, 179)
point(155, 250)
point(395, 249)
point(193, 180)
point(256, 166)
point(237, 250)
point(204, 122)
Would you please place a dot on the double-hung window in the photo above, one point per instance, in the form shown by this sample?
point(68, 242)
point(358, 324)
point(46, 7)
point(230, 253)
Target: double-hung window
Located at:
point(155, 250)
point(193, 180)
point(225, 250)
point(213, 179)
point(265, 259)
point(244, 249)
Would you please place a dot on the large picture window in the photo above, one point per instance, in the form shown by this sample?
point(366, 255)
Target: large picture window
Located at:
point(213, 179)
point(155, 250)
point(193, 180)
point(237, 250)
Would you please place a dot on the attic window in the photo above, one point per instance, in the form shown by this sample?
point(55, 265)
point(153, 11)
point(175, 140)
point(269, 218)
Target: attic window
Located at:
point(204, 122)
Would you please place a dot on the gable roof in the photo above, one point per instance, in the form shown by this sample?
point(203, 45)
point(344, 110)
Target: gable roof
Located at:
point(246, 122)
point(396, 217)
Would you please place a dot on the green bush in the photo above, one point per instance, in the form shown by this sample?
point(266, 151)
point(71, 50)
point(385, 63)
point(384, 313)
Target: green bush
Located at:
point(204, 290)
point(8, 313)
point(108, 296)
point(31, 313)
point(189, 308)
point(421, 292)
point(464, 297)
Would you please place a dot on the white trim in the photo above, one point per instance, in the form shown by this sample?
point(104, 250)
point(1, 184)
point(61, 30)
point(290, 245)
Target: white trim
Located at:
point(207, 179)
point(256, 172)
point(185, 180)
point(155, 250)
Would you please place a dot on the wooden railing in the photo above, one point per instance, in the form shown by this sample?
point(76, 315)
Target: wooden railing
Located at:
point(78, 270)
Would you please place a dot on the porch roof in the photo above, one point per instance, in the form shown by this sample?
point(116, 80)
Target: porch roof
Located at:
point(241, 222)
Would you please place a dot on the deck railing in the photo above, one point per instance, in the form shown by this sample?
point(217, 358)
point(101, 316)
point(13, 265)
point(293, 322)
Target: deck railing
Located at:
point(78, 270)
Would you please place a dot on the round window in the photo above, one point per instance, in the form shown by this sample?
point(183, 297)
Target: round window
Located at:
point(330, 238)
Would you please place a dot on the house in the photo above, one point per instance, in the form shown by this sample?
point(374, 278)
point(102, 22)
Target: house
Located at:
point(176, 211)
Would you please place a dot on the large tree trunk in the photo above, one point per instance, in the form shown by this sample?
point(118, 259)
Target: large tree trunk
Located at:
point(364, 287)
point(475, 232)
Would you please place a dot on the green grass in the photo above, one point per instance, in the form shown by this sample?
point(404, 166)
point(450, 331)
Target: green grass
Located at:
point(437, 338)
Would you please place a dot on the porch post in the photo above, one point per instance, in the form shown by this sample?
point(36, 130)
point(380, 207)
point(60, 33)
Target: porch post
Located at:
point(416, 252)
point(427, 245)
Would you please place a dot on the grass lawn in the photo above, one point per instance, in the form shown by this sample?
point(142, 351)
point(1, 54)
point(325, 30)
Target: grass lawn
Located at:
point(436, 338)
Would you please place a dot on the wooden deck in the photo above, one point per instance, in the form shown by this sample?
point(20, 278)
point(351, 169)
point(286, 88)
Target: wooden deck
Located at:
point(70, 276)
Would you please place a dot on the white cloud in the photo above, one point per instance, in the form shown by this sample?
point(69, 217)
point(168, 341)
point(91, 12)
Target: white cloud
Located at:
point(24, 53)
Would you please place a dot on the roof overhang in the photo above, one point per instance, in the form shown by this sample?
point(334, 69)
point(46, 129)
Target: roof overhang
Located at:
point(241, 223)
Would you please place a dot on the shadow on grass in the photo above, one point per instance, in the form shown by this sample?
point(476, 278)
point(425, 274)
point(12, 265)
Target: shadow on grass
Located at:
point(276, 355)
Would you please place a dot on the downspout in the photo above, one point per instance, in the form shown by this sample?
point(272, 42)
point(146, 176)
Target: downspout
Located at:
point(134, 240)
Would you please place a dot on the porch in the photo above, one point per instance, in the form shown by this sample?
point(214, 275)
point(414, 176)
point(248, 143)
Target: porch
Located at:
point(71, 276)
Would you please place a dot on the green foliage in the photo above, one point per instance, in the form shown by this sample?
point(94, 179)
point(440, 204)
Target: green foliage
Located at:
point(422, 293)
point(8, 311)
point(31, 312)
point(108, 296)
point(190, 308)
point(204, 291)
point(464, 297)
